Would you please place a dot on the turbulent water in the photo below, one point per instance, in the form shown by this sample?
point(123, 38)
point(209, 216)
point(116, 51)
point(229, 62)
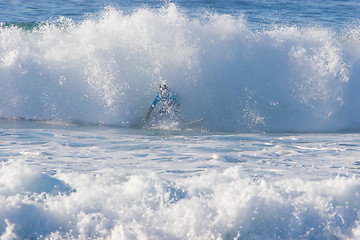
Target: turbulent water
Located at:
point(106, 69)
point(277, 157)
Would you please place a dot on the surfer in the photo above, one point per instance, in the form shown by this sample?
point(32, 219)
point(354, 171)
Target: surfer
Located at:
point(170, 104)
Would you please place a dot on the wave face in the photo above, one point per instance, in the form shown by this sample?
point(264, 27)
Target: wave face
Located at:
point(106, 69)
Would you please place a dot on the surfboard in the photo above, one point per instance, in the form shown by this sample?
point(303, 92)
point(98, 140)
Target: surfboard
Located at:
point(187, 123)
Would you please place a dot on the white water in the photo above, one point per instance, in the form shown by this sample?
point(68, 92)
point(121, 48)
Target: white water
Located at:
point(68, 175)
point(88, 182)
point(106, 69)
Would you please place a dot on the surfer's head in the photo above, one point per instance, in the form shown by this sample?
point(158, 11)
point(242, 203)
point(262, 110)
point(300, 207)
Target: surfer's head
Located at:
point(163, 89)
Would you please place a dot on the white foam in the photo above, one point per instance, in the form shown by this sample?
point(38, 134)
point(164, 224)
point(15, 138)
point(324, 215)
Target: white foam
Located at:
point(216, 204)
point(106, 69)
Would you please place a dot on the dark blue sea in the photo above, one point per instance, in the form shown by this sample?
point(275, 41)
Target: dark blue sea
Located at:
point(277, 156)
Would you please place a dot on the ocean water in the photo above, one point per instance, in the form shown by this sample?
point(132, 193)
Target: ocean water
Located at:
point(278, 156)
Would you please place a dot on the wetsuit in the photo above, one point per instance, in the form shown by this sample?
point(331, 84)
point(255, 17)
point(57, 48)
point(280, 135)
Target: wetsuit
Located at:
point(168, 100)
point(169, 104)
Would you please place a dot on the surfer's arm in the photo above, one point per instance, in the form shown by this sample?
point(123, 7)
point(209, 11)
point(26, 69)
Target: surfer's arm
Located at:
point(174, 99)
point(152, 106)
point(149, 112)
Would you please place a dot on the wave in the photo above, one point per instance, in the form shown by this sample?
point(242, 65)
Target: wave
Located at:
point(106, 69)
point(228, 205)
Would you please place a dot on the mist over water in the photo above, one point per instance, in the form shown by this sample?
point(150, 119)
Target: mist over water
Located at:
point(106, 69)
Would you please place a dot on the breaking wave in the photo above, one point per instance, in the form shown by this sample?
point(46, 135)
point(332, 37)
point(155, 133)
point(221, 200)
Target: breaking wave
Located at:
point(106, 69)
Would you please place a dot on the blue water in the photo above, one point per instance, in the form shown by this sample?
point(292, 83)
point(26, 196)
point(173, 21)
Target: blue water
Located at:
point(335, 14)
point(276, 158)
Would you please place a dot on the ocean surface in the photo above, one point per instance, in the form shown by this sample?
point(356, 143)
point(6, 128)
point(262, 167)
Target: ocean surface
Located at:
point(277, 157)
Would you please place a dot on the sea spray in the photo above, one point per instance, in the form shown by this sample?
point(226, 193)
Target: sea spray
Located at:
point(106, 69)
